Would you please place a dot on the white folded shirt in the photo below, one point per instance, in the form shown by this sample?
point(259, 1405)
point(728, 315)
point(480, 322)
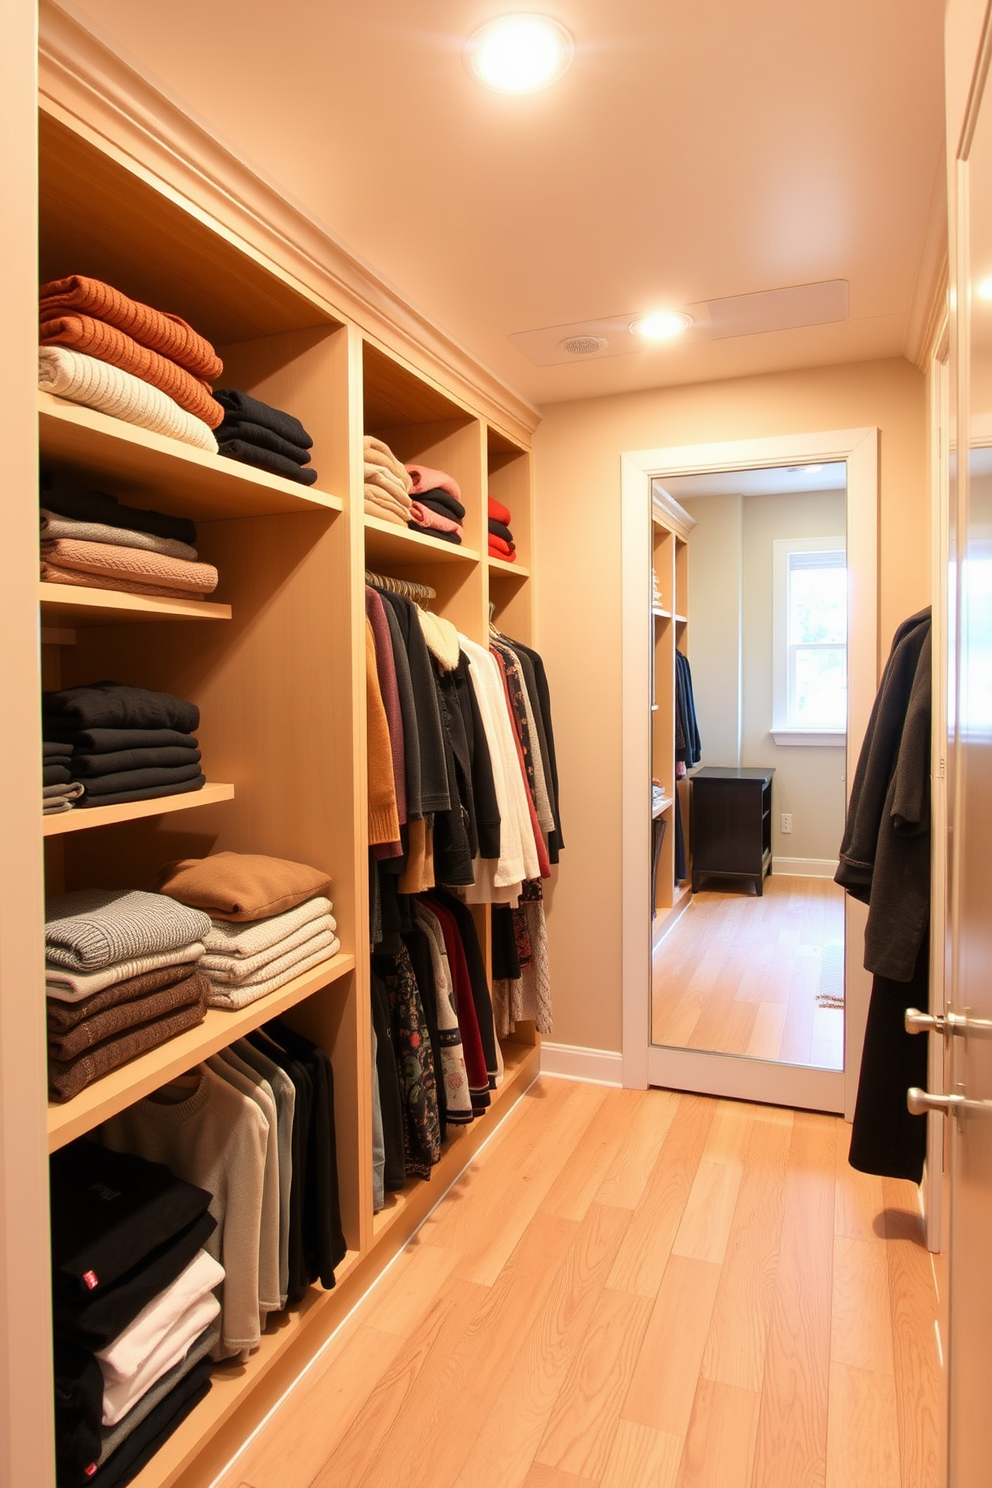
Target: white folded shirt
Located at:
point(73, 986)
point(125, 1354)
point(120, 1395)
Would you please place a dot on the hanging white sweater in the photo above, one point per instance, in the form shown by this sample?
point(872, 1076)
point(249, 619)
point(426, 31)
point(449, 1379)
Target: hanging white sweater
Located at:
point(518, 852)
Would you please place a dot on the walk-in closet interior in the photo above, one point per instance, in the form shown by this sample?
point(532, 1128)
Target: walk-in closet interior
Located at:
point(494, 987)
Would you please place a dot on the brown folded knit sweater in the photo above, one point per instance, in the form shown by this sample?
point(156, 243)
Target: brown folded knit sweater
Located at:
point(51, 573)
point(64, 1016)
point(65, 1045)
point(156, 329)
point(135, 564)
point(241, 886)
point(68, 1078)
point(105, 342)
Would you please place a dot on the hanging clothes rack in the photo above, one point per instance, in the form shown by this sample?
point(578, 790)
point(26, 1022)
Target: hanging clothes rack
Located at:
point(406, 587)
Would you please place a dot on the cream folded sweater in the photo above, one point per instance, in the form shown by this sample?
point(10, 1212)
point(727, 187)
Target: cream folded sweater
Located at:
point(248, 937)
point(83, 379)
point(237, 969)
point(96, 928)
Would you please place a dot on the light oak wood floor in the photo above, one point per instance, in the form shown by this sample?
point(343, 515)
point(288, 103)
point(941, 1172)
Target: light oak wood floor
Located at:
point(637, 1290)
point(739, 974)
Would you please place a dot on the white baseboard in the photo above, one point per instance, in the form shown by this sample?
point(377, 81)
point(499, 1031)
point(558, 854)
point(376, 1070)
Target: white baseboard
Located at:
point(804, 867)
point(594, 1066)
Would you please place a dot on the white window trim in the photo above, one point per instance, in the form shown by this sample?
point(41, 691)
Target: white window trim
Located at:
point(781, 731)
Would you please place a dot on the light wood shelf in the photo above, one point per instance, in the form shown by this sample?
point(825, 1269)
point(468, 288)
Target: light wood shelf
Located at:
point(64, 604)
point(662, 807)
point(149, 467)
point(388, 543)
point(660, 614)
point(681, 619)
point(105, 816)
point(122, 1087)
point(499, 568)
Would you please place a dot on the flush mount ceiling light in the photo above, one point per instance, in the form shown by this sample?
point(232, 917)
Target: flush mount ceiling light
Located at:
point(984, 290)
point(663, 325)
point(519, 53)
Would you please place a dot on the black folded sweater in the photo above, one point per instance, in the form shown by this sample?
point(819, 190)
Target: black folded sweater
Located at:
point(61, 494)
point(118, 760)
point(117, 706)
point(114, 740)
point(449, 537)
point(56, 774)
point(254, 411)
point(441, 502)
point(262, 438)
point(499, 529)
point(146, 793)
point(131, 780)
point(265, 459)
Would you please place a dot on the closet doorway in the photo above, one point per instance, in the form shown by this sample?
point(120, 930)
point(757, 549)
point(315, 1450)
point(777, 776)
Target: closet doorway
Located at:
point(761, 669)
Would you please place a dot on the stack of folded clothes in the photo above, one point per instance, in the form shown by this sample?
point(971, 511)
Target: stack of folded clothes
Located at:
point(437, 503)
point(501, 544)
point(136, 552)
point(256, 434)
point(271, 921)
point(134, 1309)
point(128, 744)
point(121, 976)
point(144, 366)
point(387, 484)
point(59, 791)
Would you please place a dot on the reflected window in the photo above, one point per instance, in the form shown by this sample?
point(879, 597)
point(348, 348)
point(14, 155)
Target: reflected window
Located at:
point(810, 634)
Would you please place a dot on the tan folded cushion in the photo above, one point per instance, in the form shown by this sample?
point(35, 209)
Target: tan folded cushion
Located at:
point(242, 886)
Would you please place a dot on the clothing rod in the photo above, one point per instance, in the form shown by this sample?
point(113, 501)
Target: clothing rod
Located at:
point(406, 587)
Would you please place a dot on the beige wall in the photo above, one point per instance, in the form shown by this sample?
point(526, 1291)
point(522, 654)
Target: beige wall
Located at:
point(578, 451)
point(808, 782)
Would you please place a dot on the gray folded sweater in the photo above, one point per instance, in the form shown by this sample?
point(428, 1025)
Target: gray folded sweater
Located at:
point(94, 928)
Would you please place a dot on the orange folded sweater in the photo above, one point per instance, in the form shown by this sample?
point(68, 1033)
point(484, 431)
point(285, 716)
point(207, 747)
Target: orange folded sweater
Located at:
point(105, 342)
point(156, 329)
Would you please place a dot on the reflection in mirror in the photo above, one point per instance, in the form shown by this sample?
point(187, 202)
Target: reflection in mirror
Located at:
point(749, 717)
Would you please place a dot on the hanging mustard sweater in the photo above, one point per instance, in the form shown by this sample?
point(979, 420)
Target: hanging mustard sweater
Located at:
point(384, 822)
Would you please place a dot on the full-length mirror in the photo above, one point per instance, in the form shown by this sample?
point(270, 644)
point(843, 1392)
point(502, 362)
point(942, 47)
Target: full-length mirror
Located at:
point(749, 720)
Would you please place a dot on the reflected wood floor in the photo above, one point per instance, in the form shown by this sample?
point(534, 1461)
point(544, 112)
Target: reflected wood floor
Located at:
point(739, 974)
point(635, 1289)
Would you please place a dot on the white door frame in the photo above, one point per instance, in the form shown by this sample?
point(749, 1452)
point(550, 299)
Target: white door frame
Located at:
point(691, 1069)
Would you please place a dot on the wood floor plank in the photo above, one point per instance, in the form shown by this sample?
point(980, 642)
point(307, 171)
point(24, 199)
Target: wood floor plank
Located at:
point(766, 1035)
point(626, 1178)
point(409, 1287)
point(352, 1459)
point(642, 1458)
point(485, 1256)
point(709, 1212)
point(501, 1454)
point(643, 1256)
point(861, 1322)
point(719, 1447)
point(920, 1383)
point(863, 1435)
point(792, 1425)
point(738, 1335)
point(663, 1385)
point(457, 1385)
point(576, 1186)
point(542, 1476)
point(584, 1420)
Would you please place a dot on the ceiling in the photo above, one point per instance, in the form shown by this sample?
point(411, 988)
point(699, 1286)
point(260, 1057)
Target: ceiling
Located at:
point(780, 480)
point(694, 151)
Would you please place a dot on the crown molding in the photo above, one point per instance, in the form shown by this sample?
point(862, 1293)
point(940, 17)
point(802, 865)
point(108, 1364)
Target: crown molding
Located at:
point(928, 301)
point(87, 85)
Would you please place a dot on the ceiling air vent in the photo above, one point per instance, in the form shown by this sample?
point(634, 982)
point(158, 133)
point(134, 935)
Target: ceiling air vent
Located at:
point(584, 345)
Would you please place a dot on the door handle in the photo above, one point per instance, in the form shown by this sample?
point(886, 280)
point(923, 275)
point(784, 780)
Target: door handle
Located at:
point(920, 1102)
point(947, 1024)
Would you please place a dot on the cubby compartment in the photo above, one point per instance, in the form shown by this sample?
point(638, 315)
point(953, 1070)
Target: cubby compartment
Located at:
point(423, 426)
point(510, 483)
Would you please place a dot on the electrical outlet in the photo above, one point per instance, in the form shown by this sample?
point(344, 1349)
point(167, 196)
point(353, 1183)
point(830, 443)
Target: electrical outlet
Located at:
point(786, 821)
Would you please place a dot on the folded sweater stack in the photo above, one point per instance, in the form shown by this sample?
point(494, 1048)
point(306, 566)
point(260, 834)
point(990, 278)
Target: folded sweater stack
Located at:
point(128, 744)
point(437, 503)
point(119, 554)
point(501, 544)
point(145, 366)
point(134, 1309)
point(257, 434)
point(121, 977)
point(387, 484)
point(59, 792)
point(271, 921)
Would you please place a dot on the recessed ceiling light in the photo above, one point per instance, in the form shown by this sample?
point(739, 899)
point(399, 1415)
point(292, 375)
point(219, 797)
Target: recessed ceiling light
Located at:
point(984, 290)
point(519, 53)
point(662, 325)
